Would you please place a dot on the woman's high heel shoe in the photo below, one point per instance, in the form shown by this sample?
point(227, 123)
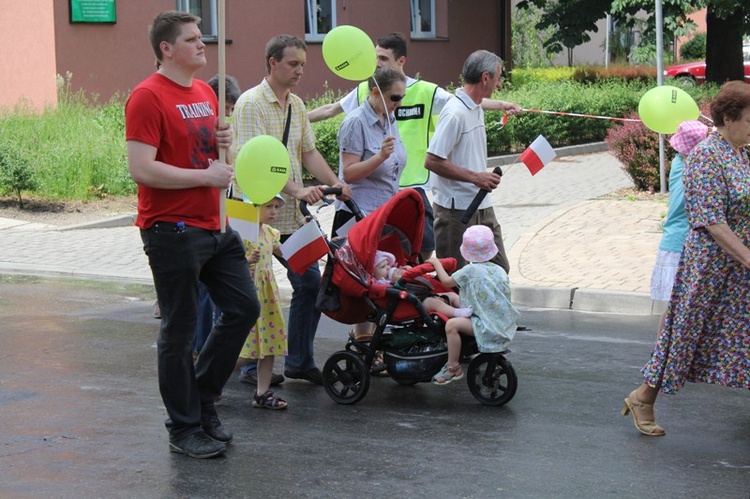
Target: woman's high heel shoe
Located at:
point(649, 428)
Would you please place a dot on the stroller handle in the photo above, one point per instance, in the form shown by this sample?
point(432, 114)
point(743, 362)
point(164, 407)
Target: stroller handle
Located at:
point(335, 191)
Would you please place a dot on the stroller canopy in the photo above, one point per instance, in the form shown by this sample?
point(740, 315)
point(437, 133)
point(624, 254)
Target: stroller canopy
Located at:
point(395, 227)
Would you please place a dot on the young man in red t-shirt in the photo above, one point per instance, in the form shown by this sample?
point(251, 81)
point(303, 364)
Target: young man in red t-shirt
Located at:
point(172, 139)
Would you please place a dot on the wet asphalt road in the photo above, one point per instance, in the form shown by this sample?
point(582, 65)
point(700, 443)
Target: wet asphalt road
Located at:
point(82, 417)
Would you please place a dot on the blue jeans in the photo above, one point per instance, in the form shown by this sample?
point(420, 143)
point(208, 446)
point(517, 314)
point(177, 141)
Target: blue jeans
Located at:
point(208, 314)
point(181, 257)
point(250, 368)
point(303, 317)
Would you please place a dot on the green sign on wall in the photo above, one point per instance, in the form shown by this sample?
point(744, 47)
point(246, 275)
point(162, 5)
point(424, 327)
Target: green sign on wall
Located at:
point(93, 11)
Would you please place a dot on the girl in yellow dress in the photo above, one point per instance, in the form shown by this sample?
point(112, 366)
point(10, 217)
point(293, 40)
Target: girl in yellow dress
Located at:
point(268, 338)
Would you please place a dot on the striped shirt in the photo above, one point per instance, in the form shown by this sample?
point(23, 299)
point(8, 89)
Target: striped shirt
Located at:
point(259, 112)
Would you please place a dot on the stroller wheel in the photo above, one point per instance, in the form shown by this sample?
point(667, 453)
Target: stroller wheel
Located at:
point(346, 378)
point(492, 379)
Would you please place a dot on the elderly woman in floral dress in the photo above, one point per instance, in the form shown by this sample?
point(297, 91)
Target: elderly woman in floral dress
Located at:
point(706, 332)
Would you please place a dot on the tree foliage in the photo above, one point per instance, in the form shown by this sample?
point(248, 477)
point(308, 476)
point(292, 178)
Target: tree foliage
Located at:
point(571, 20)
point(695, 48)
point(674, 14)
point(727, 22)
point(528, 41)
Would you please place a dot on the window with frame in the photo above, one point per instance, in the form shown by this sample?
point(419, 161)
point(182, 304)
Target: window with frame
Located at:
point(207, 11)
point(320, 18)
point(423, 18)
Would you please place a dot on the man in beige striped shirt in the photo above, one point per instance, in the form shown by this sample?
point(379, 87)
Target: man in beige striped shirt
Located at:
point(265, 110)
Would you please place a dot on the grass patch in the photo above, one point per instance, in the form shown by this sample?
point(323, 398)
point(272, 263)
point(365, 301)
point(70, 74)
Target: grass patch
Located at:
point(76, 150)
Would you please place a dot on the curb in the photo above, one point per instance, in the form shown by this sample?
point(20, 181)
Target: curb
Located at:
point(106, 223)
point(55, 273)
point(619, 302)
point(587, 300)
point(542, 297)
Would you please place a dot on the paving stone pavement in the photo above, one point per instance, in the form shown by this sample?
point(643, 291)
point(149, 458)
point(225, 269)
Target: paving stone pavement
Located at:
point(568, 247)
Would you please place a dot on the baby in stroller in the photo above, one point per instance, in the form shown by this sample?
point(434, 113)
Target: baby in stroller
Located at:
point(447, 304)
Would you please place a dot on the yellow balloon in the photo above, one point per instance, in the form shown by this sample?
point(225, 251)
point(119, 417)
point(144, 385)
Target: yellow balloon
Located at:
point(350, 53)
point(262, 168)
point(663, 108)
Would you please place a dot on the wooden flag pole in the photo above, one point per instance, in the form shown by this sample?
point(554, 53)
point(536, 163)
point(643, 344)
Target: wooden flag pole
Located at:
point(222, 105)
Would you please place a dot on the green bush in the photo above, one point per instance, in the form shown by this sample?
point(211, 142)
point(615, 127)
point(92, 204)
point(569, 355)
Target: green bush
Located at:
point(16, 175)
point(596, 74)
point(521, 76)
point(637, 148)
point(326, 141)
point(609, 99)
point(694, 49)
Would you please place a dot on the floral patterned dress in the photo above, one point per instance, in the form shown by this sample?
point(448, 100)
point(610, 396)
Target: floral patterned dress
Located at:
point(486, 288)
point(706, 334)
point(268, 337)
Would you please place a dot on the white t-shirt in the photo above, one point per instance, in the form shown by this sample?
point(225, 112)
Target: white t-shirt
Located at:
point(460, 137)
point(349, 102)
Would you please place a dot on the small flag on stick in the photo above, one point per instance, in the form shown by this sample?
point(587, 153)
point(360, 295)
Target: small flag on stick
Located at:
point(304, 247)
point(537, 155)
point(243, 217)
point(344, 229)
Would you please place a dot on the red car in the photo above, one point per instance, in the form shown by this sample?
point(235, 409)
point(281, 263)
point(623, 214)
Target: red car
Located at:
point(695, 72)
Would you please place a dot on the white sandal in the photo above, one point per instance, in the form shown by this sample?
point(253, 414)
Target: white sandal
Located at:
point(448, 374)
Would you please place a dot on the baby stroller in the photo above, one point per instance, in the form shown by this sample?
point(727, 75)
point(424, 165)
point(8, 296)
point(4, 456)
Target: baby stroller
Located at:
point(412, 340)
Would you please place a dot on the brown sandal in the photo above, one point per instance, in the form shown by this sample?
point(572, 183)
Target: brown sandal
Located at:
point(268, 401)
point(647, 427)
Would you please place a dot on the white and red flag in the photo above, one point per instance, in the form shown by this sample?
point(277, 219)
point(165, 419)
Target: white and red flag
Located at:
point(344, 229)
point(304, 247)
point(537, 155)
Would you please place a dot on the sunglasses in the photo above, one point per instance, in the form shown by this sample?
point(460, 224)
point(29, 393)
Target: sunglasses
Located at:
point(395, 98)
